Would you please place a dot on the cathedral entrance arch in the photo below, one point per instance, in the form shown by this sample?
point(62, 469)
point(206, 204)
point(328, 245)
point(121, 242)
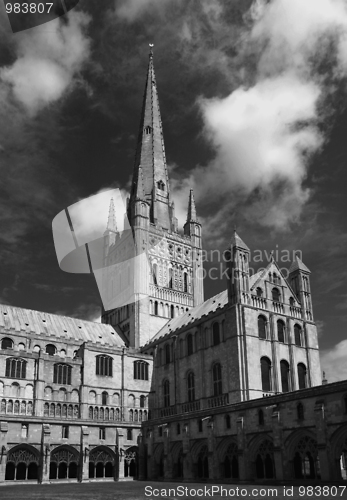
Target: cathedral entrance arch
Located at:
point(228, 459)
point(177, 460)
point(303, 453)
point(263, 459)
point(102, 463)
point(22, 464)
point(158, 457)
point(64, 463)
point(199, 456)
point(339, 451)
point(131, 462)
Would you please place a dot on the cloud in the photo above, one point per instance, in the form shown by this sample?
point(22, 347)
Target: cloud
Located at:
point(130, 10)
point(333, 362)
point(47, 61)
point(265, 132)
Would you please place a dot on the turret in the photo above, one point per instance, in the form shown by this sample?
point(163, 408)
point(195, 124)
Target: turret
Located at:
point(192, 228)
point(237, 258)
point(299, 279)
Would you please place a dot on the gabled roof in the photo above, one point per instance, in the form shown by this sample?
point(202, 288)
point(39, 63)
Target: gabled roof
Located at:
point(174, 324)
point(298, 264)
point(52, 326)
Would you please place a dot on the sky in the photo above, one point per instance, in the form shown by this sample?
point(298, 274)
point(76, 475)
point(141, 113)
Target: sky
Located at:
point(253, 100)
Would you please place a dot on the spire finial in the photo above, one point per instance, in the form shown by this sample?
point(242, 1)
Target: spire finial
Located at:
point(151, 45)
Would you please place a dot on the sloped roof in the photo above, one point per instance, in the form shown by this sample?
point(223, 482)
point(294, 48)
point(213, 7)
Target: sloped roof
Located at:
point(254, 278)
point(298, 264)
point(236, 241)
point(64, 328)
point(210, 305)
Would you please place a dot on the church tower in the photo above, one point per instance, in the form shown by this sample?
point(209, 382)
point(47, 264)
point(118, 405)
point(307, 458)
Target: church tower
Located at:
point(168, 282)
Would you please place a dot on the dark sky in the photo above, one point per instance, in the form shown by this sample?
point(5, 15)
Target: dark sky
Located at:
point(253, 103)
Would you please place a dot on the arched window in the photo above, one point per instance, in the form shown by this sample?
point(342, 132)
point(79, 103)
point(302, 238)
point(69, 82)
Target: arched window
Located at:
point(215, 330)
point(217, 379)
point(189, 344)
point(7, 343)
point(191, 387)
point(185, 282)
point(280, 330)
point(265, 364)
point(262, 327)
point(300, 411)
point(161, 185)
point(260, 417)
point(156, 308)
point(62, 374)
point(298, 335)
point(51, 349)
point(166, 393)
point(104, 398)
point(170, 280)
point(291, 301)
point(15, 368)
point(142, 401)
point(167, 353)
point(276, 295)
point(285, 376)
point(227, 421)
point(140, 370)
point(275, 278)
point(155, 273)
point(172, 311)
point(259, 292)
point(103, 365)
point(302, 376)
point(148, 129)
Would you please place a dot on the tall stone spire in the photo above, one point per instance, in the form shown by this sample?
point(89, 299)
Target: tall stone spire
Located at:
point(191, 214)
point(150, 177)
point(111, 222)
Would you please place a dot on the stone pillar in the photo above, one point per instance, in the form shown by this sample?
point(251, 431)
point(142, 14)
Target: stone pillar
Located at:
point(142, 457)
point(213, 465)
point(168, 465)
point(325, 468)
point(241, 449)
point(277, 441)
point(3, 450)
point(188, 473)
point(45, 453)
point(121, 453)
point(84, 459)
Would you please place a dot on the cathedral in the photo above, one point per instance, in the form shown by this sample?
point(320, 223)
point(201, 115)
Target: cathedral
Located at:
point(171, 387)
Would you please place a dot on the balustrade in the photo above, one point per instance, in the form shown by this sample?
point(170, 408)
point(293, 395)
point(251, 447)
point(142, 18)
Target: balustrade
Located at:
point(192, 406)
point(221, 400)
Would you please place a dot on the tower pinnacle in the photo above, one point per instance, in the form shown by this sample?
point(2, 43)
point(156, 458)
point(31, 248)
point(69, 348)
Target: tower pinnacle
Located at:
point(111, 222)
point(191, 215)
point(150, 177)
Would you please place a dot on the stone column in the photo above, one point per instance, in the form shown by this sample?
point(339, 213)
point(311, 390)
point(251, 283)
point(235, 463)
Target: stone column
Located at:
point(3, 450)
point(84, 458)
point(213, 465)
point(277, 441)
point(142, 457)
point(121, 453)
point(45, 453)
point(188, 473)
point(168, 465)
point(323, 454)
point(242, 458)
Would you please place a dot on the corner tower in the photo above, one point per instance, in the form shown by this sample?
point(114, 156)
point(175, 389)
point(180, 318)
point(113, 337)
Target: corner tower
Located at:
point(169, 281)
